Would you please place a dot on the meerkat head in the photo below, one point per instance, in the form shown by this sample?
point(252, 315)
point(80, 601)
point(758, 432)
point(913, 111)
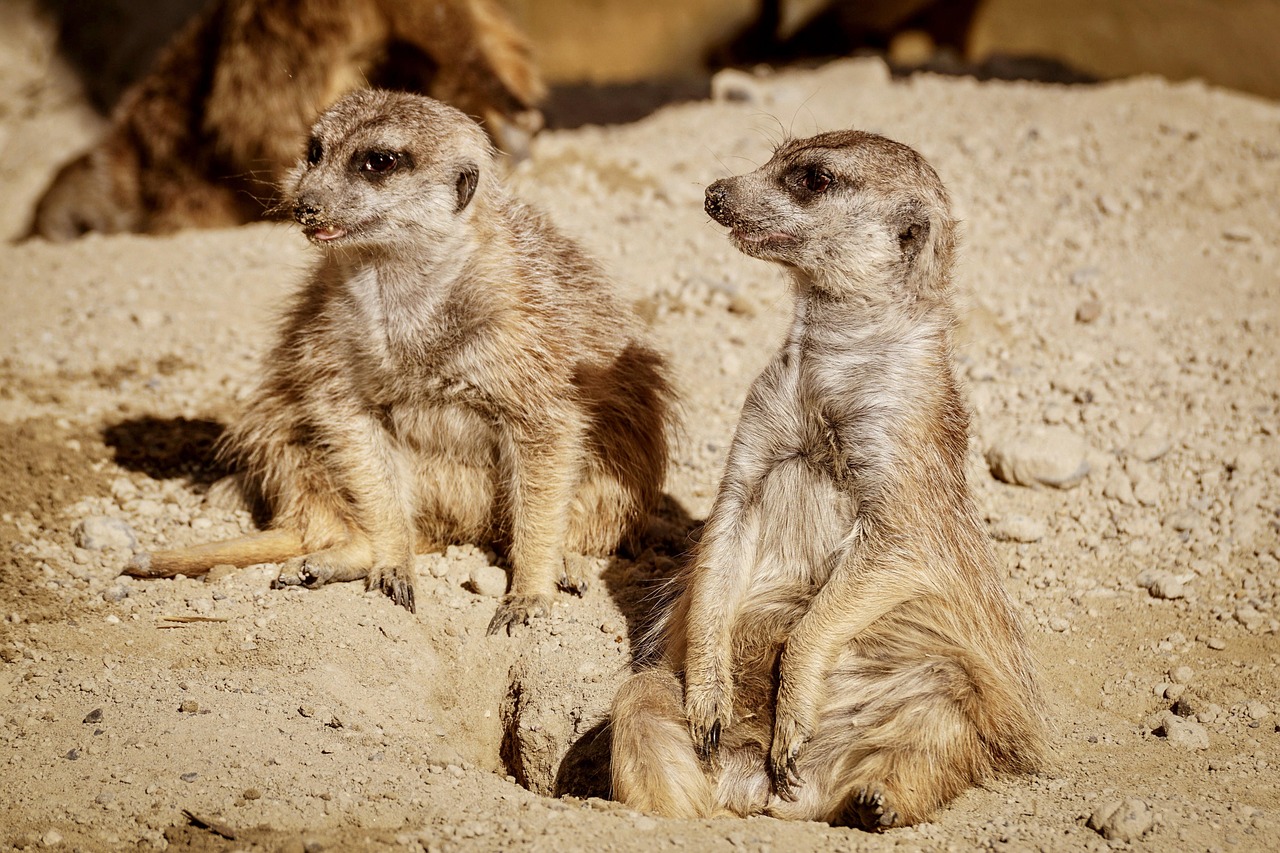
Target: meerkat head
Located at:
point(383, 168)
point(851, 212)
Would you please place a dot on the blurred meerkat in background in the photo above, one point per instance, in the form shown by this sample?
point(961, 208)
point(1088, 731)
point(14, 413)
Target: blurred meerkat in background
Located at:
point(204, 138)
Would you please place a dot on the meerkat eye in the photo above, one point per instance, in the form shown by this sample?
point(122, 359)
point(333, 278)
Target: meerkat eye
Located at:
point(314, 152)
point(380, 162)
point(817, 180)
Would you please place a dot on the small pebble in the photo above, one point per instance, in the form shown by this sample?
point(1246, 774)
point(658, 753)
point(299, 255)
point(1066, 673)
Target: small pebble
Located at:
point(189, 707)
point(1216, 643)
point(52, 838)
point(1043, 456)
point(101, 532)
point(1018, 528)
point(1181, 732)
point(1162, 584)
point(1125, 821)
point(1088, 311)
point(1249, 616)
point(733, 86)
point(488, 580)
point(94, 716)
point(252, 794)
point(189, 777)
point(1151, 444)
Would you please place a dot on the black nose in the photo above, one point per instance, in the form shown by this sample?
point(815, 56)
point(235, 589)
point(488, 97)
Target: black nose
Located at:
point(306, 212)
point(716, 204)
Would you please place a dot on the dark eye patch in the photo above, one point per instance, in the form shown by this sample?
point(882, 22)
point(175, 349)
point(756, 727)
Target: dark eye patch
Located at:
point(315, 151)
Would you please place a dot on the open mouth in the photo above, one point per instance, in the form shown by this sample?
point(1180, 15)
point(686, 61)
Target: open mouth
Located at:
point(326, 233)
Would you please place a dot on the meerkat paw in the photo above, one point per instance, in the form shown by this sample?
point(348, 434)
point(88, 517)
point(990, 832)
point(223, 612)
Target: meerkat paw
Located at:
point(789, 739)
point(709, 711)
point(518, 610)
point(870, 809)
point(396, 581)
point(575, 577)
point(299, 572)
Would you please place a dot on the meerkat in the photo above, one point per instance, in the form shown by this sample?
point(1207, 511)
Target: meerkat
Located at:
point(203, 139)
point(454, 370)
point(840, 647)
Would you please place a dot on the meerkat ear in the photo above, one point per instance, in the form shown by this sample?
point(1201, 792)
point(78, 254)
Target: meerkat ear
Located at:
point(468, 180)
point(913, 231)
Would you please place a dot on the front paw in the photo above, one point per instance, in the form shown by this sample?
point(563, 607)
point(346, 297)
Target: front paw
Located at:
point(518, 610)
point(575, 576)
point(310, 571)
point(789, 739)
point(396, 582)
point(709, 711)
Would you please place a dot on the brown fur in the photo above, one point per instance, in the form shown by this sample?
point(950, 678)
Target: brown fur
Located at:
point(841, 648)
point(205, 137)
point(455, 370)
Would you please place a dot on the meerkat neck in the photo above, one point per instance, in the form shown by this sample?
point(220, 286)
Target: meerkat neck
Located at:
point(884, 369)
point(854, 322)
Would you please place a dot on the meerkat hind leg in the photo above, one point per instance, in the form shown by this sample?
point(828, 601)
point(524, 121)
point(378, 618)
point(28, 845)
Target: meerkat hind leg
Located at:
point(903, 750)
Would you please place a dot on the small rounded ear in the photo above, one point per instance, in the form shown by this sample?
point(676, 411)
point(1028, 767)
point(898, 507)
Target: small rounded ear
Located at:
point(468, 179)
point(913, 230)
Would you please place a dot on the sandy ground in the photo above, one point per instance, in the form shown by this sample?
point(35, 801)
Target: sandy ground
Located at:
point(1120, 272)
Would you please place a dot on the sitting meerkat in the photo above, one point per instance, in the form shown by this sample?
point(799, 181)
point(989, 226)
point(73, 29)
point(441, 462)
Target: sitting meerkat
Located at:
point(840, 647)
point(454, 370)
point(203, 139)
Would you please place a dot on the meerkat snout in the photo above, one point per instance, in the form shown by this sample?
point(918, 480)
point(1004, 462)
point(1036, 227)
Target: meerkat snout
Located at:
point(714, 205)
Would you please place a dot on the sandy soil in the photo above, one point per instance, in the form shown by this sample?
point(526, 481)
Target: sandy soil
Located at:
point(1120, 270)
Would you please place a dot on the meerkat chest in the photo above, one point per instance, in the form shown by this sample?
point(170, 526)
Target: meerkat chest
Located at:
point(454, 432)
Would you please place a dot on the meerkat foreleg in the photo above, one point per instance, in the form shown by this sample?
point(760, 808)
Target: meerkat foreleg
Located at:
point(380, 548)
point(542, 465)
point(859, 592)
point(720, 579)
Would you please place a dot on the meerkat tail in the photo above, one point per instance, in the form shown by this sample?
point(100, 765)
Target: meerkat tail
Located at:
point(269, 546)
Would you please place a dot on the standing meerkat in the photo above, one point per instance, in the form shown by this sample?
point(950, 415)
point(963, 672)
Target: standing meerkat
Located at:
point(203, 139)
point(841, 647)
point(454, 370)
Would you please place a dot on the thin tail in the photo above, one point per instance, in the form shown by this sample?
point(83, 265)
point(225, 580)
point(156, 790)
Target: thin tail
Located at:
point(269, 546)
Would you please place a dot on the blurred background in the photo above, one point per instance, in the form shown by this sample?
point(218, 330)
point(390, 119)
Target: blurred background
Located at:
point(614, 60)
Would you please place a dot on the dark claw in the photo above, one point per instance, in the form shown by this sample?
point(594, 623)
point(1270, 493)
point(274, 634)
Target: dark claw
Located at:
point(500, 620)
point(507, 617)
point(786, 777)
point(577, 587)
point(400, 592)
point(709, 743)
point(517, 610)
point(869, 808)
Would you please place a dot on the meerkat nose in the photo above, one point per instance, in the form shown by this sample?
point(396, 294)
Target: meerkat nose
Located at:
point(715, 203)
point(305, 212)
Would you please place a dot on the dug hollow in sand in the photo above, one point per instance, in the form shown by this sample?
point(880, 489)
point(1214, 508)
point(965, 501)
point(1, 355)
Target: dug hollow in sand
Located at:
point(840, 647)
point(453, 370)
